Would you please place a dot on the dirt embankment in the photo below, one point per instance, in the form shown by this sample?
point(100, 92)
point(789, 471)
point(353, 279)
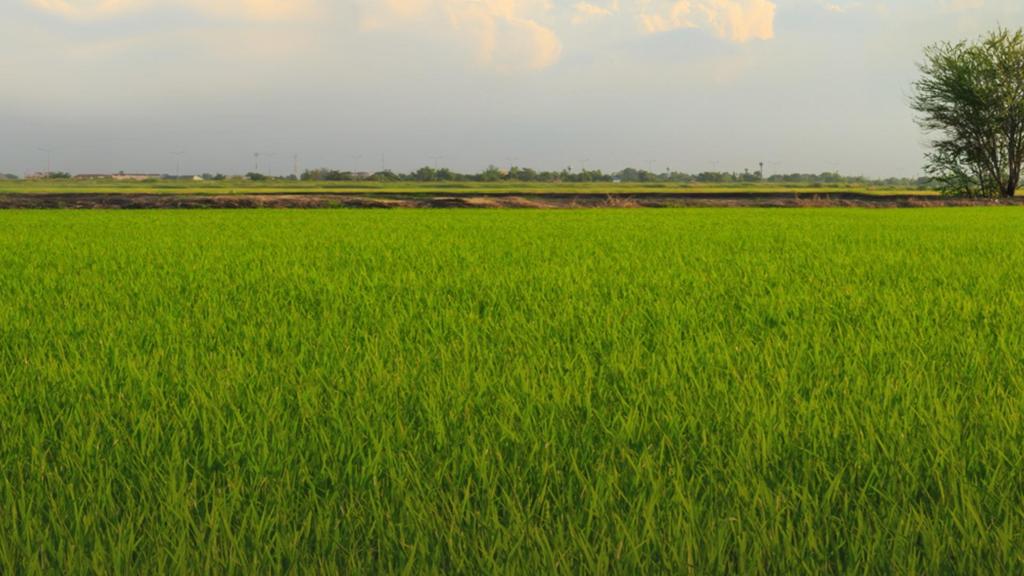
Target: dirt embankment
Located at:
point(470, 200)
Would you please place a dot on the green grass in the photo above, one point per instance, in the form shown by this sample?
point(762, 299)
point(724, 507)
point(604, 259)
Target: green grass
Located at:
point(676, 391)
point(287, 187)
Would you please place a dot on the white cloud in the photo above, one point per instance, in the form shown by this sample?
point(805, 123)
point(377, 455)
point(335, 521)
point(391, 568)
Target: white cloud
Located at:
point(255, 9)
point(737, 20)
point(246, 9)
point(87, 8)
point(523, 34)
point(961, 5)
point(506, 34)
point(584, 11)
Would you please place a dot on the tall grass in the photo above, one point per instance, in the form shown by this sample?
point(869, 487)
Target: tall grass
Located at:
point(678, 391)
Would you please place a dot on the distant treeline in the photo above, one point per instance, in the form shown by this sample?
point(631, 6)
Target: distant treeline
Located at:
point(516, 174)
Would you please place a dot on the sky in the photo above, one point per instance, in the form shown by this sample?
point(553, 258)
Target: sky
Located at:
point(691, 85)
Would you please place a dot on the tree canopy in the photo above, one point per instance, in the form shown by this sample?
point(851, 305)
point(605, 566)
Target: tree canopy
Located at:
point(971, 98)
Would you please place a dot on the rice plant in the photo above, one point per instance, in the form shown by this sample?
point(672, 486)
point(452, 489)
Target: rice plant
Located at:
point(675, 391)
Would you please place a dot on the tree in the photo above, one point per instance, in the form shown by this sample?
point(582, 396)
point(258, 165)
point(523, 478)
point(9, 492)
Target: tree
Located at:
point(385, 176)
point(327, 175)
point(492, 174)
point(424, 174)
point(971, 96)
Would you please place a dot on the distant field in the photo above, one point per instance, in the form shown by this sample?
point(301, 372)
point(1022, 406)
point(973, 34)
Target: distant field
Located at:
point(287, 187)
point(674, 391)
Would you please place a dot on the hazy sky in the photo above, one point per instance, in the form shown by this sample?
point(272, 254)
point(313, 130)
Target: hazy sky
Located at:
point(141, 85)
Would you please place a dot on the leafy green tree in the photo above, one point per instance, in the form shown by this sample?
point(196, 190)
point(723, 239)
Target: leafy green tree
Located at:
point(385, 176)
point(327, 175)
point(971, 96)
point(522, 174)
point(492, 174)
point(424, 174)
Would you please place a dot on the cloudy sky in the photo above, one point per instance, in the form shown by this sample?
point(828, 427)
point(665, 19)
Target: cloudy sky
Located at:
point(143, 85)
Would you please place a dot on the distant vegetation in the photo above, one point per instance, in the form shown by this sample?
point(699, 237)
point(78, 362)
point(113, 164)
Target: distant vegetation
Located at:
point(515, 175)
point(628, 175)
point(396, 185)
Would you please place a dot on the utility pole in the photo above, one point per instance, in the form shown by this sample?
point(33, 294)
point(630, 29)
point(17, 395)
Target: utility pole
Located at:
point(256, 163)
point(270, 164)
point(177, 156)
point(49, 159)
point(295, 165)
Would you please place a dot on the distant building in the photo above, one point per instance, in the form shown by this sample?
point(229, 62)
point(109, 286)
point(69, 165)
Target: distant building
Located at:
point(180, 177)
point(120, 176)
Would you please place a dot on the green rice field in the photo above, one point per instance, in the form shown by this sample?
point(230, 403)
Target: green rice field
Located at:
point(674, 391)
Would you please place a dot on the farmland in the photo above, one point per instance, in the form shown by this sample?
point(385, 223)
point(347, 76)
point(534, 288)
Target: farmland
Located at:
point(671, 391)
